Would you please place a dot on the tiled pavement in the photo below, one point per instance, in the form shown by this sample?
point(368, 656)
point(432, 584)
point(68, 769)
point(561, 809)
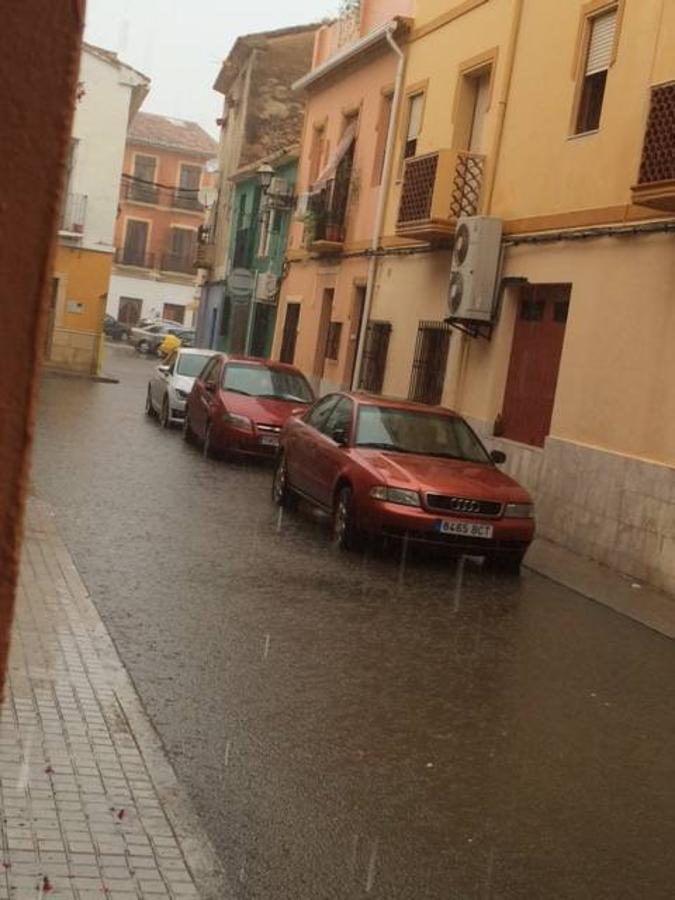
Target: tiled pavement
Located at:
point(90, 806)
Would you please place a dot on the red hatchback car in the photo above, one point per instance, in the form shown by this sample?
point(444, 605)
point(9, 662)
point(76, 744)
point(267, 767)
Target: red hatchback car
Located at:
point(395, 468)
point(239, 404)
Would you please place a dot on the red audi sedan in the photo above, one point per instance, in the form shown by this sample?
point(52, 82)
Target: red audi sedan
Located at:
point(396, 468)
point(239, 404)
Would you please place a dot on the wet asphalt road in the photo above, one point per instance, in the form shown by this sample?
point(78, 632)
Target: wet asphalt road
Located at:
point(347, 728)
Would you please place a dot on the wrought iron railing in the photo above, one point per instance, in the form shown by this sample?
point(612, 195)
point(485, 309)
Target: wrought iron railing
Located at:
point(444, 184)
point(133, 256)
point(178, 262)
point(135, 190)
point(74, 213)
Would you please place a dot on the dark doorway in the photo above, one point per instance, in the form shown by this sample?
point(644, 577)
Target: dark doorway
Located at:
point(287, 353)
point(129, 310)
point(535, 359)
point(374, 361)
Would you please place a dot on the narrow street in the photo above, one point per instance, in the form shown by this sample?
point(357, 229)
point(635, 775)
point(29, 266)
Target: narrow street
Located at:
point(347, 726)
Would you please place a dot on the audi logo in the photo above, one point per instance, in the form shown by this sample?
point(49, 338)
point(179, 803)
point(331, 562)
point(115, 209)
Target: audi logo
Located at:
point(458, 504)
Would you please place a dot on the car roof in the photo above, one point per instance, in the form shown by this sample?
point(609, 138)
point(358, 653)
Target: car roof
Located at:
point(200, 351)
point(363, 398)
point(273, 364)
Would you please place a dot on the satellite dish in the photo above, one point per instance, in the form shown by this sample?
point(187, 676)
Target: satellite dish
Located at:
point(207, 196)
point(211, 165)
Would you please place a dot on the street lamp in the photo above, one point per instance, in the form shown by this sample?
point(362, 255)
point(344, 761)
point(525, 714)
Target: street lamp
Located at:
point(265, 174)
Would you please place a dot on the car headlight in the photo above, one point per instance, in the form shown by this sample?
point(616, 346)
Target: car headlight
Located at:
point(396, 495)
point(182, 395)
point(243, 423)
point(519, 511)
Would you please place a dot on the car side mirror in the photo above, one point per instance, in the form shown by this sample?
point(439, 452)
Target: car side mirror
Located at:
point(498, 457)
point(339, 435)
point(210, 386)
point(163, 369)
point(298, 411)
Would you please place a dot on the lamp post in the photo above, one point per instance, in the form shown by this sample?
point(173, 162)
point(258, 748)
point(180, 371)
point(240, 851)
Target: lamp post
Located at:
point(265, 174)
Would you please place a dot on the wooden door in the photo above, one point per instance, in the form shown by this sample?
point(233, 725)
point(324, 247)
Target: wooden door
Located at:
point(535, 359)
point(129, 310)
point(287, 354)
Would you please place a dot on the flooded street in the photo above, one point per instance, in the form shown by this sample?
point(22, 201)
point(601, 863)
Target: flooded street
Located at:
point(347, 726)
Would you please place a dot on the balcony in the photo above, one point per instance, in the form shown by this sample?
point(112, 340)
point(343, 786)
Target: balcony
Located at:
point(656, 181)
point(205, 255)
point(325, 222)
point(131, 256)
point(73, 215)
point(178, 262)
point(437, 189)
point(135, 190)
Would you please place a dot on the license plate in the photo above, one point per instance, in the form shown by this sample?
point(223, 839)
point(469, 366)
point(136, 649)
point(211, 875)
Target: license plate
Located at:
point(466, 529)
point(270, 440)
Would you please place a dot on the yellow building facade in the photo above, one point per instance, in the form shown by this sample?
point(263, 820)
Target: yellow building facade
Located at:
point(557, 119)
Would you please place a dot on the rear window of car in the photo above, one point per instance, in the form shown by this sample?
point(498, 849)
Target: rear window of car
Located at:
point(261, 381)
point(191, 364)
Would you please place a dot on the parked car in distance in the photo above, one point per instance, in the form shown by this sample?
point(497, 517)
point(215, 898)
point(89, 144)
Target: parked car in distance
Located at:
point(114, 329)
point(171, 383)
point(395, 469)
point(148, 339)
point(239, 404)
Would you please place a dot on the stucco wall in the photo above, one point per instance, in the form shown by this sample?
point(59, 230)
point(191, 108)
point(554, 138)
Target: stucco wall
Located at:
point(154, 293)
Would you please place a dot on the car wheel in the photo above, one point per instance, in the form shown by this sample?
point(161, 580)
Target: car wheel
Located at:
point(345, 534)
point(188, 433)
point(149, 408)
point(508, 563)
point(165, 415)
point(282, 493)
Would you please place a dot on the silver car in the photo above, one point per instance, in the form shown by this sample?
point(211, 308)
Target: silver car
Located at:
point(148, 339)
point(171, 383)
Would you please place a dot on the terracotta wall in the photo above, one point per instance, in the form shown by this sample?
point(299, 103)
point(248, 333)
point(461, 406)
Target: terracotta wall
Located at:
point(38, 72)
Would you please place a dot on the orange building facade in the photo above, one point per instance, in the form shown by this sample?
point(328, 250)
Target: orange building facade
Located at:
point(162, 206)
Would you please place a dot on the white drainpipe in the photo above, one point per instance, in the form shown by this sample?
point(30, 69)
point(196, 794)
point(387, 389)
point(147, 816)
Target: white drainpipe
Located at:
point(381, 205)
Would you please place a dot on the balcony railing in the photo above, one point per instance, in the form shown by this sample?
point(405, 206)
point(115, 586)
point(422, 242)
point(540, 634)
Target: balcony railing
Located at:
point(437, 189)
point(178, 262)
point(131, 256)
point(325, 221)
point(656, 180)
point(205, 255)
point(73, 214)
point(137, 191)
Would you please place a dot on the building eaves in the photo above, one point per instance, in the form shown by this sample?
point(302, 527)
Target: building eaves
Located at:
point(245, 45)
point(353, 52)
point(280, 158)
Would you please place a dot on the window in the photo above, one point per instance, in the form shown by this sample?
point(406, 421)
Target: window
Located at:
point(261, 381)
point(316, 152)
point(318, 414)
point(144, 167)
point(174, 311)
point(190, 177)
point(333, 340)
point(182, 250)
point(142, 188)
point(430, 434)
point(381, 143)
point(135, 243)
point(340, 418)
point(191, 364)
point(210, 370)
point(415, 105)
point(431, 356)
point(375, 356)
point(601, 31)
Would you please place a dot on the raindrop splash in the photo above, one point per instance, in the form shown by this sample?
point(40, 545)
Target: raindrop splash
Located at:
point(372, 865)
point(228, 744)
point(458, 584)
point(267, 646)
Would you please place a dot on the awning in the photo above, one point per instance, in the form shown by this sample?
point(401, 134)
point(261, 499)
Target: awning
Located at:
point(328, 172)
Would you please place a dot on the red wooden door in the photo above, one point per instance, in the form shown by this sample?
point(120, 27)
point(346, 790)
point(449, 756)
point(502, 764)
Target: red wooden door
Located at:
point(535, 359)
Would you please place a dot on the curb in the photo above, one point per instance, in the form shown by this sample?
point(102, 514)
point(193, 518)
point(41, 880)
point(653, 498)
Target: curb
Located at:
point(621, 593)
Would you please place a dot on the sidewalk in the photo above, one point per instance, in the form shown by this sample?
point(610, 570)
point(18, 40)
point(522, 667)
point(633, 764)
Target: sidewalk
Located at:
point(90, 806)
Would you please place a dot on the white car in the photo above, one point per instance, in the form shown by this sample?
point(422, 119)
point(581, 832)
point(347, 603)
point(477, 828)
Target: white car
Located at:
point(171, 383)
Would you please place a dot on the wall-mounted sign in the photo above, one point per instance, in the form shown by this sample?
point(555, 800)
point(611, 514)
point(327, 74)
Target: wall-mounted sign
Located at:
point(240, 282)
point(74, 307)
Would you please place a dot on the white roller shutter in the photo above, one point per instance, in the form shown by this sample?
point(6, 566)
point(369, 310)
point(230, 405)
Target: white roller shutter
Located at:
point(601, 43)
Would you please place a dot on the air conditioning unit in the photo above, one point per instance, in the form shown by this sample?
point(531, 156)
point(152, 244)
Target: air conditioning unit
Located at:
point(266, 287)
point(473, 274)
point(279, 187)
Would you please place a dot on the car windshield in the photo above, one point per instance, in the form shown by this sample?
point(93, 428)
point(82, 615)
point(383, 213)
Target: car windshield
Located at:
point(408, 431)
point(260, 381)
point(191, 364)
